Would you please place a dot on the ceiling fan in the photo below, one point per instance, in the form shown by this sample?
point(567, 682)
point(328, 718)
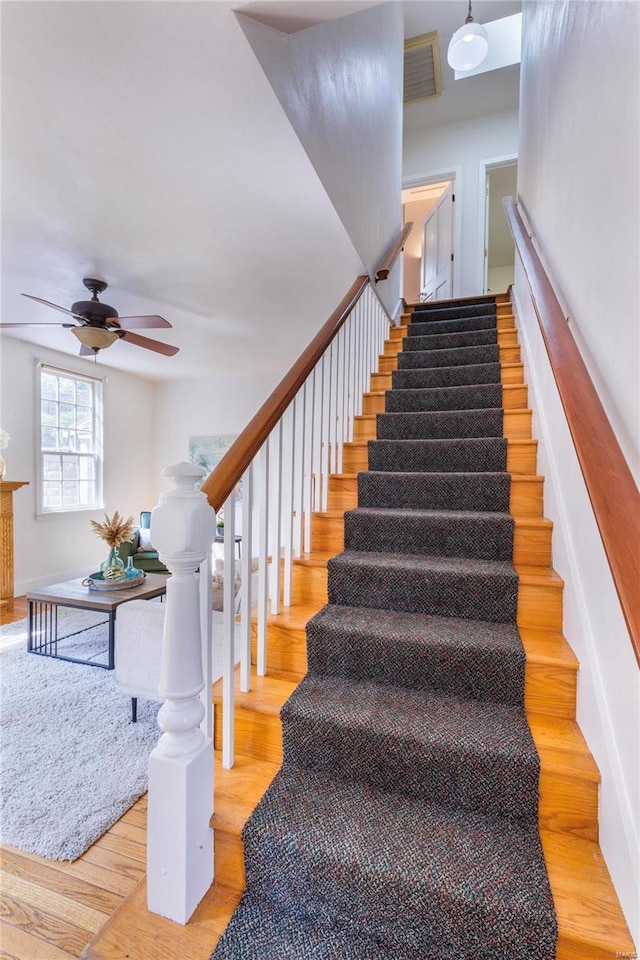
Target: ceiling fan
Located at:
point(98, 325)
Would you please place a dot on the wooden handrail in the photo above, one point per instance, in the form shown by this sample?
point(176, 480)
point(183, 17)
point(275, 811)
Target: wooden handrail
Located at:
point(612, 490)
point(225, 476)
point(385, 267)
point(221, 481)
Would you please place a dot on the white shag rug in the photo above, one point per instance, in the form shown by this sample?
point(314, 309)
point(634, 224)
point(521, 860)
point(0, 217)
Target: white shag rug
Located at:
point(71, 761)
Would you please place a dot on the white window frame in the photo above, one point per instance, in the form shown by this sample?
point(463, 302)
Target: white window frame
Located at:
point(96, 454)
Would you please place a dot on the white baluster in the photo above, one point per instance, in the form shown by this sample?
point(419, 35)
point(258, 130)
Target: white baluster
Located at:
point(206, 628)
point(342, 411)
point(228, 632)
point(287, 494)
point(366, 367)
point(300, 444)
point(245, 601)
point(320, 415)
point(263, 565)
point(276, 515)
point(333, 396)
point(352, 372)
point(326, 430)
point(309, 461)
point(375, 348)
point(361, 358)
point(180, 803)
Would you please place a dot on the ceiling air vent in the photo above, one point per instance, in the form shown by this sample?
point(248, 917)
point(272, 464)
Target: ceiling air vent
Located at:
point(422, 79)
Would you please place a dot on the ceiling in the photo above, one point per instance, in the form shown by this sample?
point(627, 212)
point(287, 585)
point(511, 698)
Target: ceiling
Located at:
point(142, 145)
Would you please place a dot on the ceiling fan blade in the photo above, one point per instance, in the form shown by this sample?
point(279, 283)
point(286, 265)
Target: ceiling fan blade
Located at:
point(38, 324)
point(155, 345)
point(55, 306)
point(143, 323)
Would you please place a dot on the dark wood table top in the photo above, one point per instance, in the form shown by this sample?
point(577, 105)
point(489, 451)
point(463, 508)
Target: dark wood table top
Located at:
point(71, 593)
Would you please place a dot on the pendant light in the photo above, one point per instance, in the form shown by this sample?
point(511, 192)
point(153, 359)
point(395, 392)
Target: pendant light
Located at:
point(469, 45)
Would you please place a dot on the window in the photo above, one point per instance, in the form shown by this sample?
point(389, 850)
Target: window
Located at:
point(70, 475)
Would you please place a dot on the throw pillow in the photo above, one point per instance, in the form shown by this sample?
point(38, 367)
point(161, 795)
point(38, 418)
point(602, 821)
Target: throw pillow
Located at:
point(145, 539)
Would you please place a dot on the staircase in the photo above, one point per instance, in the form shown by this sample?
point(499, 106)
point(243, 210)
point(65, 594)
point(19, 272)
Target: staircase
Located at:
point(350, 803)
point(415, 800)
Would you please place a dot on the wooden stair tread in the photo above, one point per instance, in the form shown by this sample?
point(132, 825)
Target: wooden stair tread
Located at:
point(537, 576)
point(509, 387)
point(266, 696)
point(533, 523)
point(507, 412)
point(136, 934)
point(548, 646)
point(585, 900)
point(522, 477)
point(516, 443)
point(562, 749)
point(563, 737)
point(238, 790)
point(527, 574)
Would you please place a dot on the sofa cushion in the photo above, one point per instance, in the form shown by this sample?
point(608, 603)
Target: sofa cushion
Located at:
point(145, 539)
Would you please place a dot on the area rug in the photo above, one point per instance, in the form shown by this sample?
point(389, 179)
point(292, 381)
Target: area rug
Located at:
point(71, 761)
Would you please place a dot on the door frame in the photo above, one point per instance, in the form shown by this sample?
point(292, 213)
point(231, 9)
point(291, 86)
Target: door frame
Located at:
point(484, 168)
point(436, 176)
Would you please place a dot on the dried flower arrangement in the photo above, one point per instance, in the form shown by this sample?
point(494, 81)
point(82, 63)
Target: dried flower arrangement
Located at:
point(114, 530)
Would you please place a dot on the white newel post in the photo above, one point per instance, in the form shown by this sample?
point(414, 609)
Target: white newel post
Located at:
point(180, 802)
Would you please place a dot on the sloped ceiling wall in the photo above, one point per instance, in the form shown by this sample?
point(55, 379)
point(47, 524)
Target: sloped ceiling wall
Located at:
point(142, 143)
point(340, 84)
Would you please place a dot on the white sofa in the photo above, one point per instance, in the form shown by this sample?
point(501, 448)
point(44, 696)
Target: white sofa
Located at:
point(139, 628)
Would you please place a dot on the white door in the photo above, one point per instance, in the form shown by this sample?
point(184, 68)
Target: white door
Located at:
point(437, 250)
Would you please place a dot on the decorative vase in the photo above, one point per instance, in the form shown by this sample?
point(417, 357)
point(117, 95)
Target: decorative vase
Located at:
point(2, 467)
point(131, 571)
point(113, 567)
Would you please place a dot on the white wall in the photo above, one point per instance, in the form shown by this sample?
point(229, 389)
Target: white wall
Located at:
point(463, 145)
point(499, 278)
point(608, 696)
point(578, 180)
point(62, 546)
point(340, 84)
point(213, 405)
point(579, 129)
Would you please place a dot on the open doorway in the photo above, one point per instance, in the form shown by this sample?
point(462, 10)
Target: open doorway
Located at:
point(428, 252)
point(498, 266)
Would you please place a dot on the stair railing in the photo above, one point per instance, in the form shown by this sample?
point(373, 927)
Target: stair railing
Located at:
point(278, 469)
point(612, 490)
point(282, 462)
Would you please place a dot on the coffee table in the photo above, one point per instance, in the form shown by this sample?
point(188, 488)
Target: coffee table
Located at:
point(43, 636)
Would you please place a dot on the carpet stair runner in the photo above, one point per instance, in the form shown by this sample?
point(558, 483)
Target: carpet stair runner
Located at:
point(403, 822)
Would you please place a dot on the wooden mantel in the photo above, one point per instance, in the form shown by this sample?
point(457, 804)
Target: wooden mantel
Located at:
point(6, 535)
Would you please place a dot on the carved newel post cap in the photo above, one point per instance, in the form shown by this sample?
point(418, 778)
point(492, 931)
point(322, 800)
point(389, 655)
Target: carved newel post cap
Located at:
point(183, 522)
point(183, 474)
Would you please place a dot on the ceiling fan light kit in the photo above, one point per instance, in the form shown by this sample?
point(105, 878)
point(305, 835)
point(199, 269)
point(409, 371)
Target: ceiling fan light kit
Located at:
point(97, 338)
point(98, 325)
point(469, 45)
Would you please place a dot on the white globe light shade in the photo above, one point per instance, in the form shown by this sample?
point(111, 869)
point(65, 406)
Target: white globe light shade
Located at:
point(468, 47)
